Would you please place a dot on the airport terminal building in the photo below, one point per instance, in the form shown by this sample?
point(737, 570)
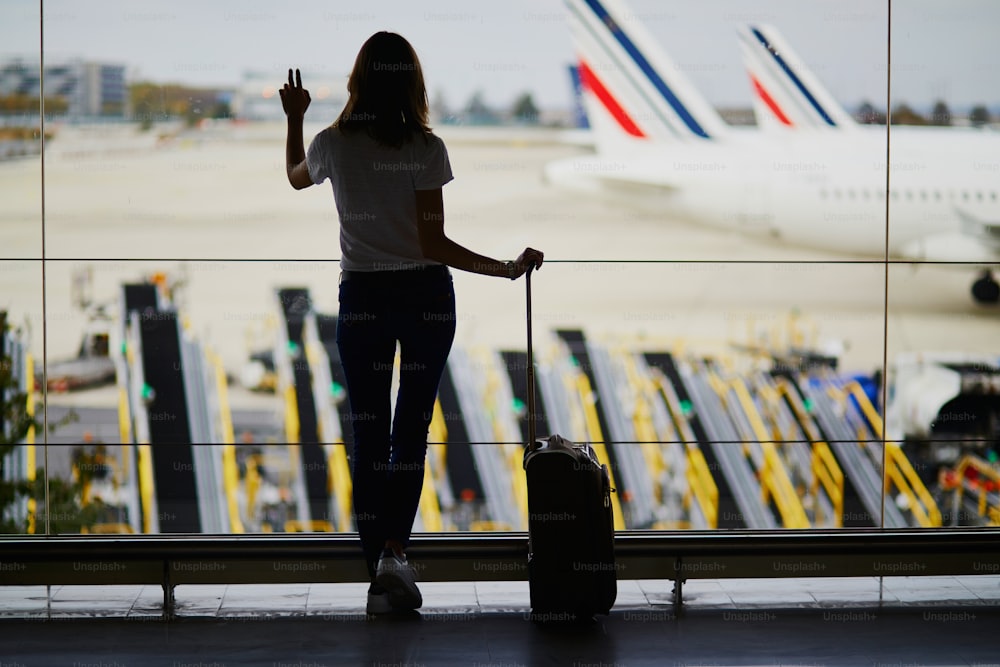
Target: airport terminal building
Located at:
point(89, 89)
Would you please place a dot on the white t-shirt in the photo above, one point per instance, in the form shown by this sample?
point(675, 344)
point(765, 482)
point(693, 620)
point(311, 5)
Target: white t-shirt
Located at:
point(373, 187)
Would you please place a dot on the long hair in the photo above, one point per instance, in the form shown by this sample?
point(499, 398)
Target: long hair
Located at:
point(387, 97)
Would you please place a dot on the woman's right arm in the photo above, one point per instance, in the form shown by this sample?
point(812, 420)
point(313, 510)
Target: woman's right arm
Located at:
point(295, 100)
point(436, 245)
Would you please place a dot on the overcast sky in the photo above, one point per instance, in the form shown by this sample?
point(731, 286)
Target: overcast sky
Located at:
point(940, 49)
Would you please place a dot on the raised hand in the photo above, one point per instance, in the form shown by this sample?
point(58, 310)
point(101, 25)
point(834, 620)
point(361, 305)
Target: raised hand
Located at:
point(294, 98)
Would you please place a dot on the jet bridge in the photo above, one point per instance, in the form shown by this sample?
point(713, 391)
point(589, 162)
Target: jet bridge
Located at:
point(862, 482)
point(173, 409)
point(901, 479)
point(515, 365)
point(759, 446)
point(490, 426)
point(463, 476)
point(809, 460)
point(295, 383)
point(863, 504)
point(572, 412)
point(625, 461)
point(618, 400)
point(332, 410)
point(686, 495)
point(739, 492)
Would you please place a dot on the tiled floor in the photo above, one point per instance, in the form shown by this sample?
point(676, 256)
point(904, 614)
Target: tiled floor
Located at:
point(869, 621)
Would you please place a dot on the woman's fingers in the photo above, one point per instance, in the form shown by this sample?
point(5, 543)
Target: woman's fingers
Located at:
point(535, 257)
point(294, 82)
point(530, 258)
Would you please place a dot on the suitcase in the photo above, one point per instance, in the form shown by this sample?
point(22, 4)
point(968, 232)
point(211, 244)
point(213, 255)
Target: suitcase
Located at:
point(571, 560)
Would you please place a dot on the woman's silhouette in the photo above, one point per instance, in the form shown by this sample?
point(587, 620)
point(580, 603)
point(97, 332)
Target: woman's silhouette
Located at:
point(387, 169)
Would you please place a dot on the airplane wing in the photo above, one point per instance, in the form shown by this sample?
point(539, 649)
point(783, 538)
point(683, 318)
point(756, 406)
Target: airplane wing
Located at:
point(976, 241)
point(987, 233)
point(636, 183)
point(786, 94)
point(619, 176)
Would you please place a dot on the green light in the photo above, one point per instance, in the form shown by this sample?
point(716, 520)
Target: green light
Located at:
point(124, 349)
point(336, 390)
point(991, 456)
point(147, 392)
point(293, 348)
point(686, 407)
point(518, 405)
point(808, 404)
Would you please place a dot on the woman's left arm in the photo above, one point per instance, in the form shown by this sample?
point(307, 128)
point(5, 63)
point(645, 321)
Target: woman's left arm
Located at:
point(436, 245)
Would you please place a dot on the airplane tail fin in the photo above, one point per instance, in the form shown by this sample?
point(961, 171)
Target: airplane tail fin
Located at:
point(580, 119)
point(786, 93)
point(633, 91)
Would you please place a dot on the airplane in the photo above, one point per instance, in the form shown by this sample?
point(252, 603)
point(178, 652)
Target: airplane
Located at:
point(660, 143)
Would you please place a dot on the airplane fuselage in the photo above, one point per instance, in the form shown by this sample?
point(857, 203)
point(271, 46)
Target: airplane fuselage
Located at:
point(812, 190)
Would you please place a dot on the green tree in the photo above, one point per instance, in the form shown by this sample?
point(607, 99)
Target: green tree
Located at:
point(940, 114)
point(904, 115)
point(867, 114)
point(477, 112)
point(979, 115)
point(16, 423)
point(524, 110)
point(18, 103)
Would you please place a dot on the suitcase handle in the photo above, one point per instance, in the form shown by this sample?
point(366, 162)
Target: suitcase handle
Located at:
point(530, 366)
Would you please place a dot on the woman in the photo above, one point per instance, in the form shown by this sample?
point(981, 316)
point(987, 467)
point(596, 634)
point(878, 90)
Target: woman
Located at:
point(387, 169)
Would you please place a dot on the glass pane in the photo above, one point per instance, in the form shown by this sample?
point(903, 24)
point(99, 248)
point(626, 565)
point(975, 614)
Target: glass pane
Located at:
point(942, 357)
point(695, 381)
point(172, 389)
point(156, 153)
point(21, 434)
point(20, 131)
point(943, 409)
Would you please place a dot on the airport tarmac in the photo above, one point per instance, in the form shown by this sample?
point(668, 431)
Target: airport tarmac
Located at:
point(213, 210)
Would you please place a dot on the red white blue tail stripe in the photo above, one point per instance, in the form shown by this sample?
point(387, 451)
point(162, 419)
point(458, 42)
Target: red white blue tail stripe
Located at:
point(631, 82)
point(786, 94)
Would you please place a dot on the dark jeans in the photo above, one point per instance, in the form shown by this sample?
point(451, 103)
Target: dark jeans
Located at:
point(417, 309)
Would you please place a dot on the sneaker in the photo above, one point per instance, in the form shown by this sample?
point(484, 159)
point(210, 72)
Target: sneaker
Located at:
point(396, 576)
point(378, 601)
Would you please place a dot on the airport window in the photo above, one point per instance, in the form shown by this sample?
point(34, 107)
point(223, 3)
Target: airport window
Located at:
point(161, 220)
